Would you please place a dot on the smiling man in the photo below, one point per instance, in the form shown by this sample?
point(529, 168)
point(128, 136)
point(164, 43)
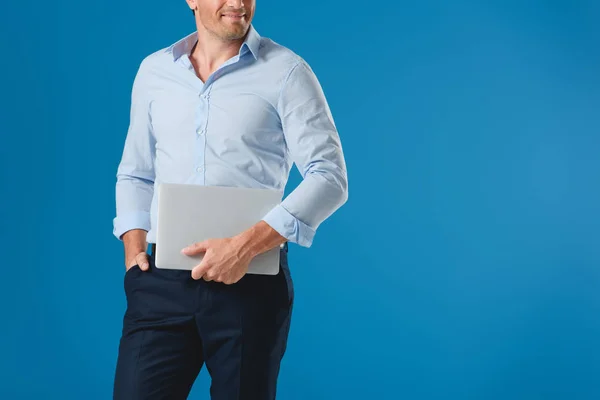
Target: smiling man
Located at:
point(223, 106)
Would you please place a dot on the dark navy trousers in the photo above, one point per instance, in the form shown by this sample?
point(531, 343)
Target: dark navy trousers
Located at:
point(174, 325)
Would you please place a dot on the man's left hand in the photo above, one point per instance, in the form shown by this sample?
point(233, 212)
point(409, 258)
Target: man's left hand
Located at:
point(223, 261)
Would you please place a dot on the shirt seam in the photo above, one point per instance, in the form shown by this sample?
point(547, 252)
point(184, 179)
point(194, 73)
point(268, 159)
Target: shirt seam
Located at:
point(287, 154)
point(285, 81)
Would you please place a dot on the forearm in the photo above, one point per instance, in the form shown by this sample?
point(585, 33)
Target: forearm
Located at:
point(316, 198)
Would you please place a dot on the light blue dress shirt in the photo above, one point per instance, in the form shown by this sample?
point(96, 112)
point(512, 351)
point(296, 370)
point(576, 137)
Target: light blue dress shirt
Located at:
point(259, 113)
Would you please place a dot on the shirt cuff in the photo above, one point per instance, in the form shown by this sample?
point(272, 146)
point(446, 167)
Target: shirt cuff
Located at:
point(289, 226)
point(129, 221)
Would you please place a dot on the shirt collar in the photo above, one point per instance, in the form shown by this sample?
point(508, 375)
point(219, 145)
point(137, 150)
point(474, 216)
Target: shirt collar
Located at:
point(185, 45)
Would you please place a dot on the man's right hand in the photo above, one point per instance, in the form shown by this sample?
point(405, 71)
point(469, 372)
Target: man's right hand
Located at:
point(141, 260)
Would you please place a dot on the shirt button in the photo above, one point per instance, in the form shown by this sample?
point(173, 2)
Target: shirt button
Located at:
point(199, 169)
point(201, 132)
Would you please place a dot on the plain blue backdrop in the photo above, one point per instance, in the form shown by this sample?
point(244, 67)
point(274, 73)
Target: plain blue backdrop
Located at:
point(466, 262)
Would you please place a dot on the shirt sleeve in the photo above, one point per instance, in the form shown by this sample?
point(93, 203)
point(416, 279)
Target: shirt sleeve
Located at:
point(135, 174)
point(314, 145)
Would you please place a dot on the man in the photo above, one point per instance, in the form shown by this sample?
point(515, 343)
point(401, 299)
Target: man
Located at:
point(225, 107)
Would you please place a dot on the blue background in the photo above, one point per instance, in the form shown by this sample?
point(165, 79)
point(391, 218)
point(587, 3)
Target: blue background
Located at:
point(466, 263)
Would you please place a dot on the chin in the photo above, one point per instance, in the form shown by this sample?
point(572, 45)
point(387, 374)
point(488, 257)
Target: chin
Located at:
point(233, 34)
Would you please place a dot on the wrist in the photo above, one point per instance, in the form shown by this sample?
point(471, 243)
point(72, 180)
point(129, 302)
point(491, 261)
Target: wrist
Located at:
point(258, 239)
point(245, 244)
point(135, 243)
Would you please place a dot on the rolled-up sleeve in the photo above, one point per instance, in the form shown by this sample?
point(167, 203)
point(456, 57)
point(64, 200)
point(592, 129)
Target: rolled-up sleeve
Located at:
point(315, 147)
point(135, 174)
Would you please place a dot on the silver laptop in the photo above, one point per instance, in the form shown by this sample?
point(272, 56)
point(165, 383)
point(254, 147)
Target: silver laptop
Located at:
point(192, 213)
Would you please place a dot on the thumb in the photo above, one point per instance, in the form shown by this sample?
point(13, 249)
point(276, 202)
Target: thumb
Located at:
point(198, 247)
point(142, 261)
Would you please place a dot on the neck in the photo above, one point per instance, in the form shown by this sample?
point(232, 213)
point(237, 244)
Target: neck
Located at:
point(210, 51)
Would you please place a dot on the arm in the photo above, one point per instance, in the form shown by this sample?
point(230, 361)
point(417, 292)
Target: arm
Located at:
point(135, 174)
point(315, 147)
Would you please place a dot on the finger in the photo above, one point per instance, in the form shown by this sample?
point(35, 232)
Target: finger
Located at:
point(195, 248)
point(142, 261)
point(232, 280)
point(210, 275)
point(199, 270)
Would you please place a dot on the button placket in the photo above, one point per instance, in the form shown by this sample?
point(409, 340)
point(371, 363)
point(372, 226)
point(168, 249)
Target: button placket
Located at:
point(200, 142)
